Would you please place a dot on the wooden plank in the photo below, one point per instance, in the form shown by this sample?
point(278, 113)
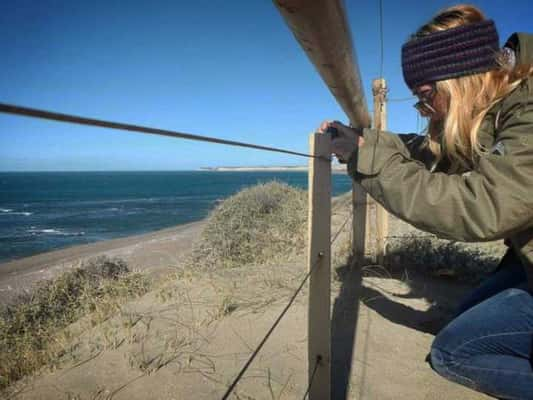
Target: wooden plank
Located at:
point(319, 261)
point(322, 30)
point(379, 90)
point(359, 222)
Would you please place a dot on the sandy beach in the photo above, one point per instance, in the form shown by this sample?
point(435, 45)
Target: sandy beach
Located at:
point(153, 253)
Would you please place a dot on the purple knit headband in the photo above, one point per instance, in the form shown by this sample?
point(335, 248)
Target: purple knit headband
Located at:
point(464, 50)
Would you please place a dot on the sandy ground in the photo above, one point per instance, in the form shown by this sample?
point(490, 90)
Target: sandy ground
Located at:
point(189, 342)
point(189, 337)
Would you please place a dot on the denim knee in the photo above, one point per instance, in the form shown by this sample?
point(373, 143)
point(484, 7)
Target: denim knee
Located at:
point(488, 348)
point(447, 365)
point(439, 363)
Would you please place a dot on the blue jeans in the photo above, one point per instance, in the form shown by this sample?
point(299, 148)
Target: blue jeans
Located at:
point(488, 346)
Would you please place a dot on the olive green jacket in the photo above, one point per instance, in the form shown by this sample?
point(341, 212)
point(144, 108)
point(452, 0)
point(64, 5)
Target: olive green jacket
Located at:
point(494, 200)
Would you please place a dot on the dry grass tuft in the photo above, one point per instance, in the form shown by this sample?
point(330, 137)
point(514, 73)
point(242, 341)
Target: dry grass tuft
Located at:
point(463, 261)
point(261, 224)
point(30, 327)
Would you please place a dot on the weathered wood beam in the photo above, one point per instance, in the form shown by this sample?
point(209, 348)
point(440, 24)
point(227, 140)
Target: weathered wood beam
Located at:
point(379, 91)
point(321, 27)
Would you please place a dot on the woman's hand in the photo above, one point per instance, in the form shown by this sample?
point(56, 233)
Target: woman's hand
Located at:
point(345, 140)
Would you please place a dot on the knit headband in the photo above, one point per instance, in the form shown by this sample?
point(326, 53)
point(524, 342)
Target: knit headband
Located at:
point(464, 50)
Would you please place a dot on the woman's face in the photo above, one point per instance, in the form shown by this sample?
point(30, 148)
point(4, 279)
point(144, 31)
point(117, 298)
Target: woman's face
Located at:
point(432, 103)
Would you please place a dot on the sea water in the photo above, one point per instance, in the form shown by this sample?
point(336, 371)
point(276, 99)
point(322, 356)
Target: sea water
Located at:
point(43, 211)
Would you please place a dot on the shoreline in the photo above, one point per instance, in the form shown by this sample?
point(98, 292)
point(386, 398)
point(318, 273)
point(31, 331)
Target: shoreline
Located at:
point(335, 169)
point(154, 253)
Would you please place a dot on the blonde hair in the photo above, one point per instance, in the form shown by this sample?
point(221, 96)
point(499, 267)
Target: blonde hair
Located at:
point(468, 98)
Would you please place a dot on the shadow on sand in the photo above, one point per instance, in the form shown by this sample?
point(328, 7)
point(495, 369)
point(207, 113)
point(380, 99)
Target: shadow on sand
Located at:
point(443, 295)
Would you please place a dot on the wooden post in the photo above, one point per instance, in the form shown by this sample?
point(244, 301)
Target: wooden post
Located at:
point(319, 260)
point(359, 220)
point(379, 90)
point(321, 27)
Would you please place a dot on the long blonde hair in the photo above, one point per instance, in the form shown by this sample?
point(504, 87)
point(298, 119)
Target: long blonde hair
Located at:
point(469, 98)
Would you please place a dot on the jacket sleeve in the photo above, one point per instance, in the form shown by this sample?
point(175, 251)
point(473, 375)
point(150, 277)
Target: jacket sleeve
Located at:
point(491, 202)
point(417, 148)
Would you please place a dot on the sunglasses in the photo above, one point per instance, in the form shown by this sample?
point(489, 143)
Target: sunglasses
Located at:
point(425, 100)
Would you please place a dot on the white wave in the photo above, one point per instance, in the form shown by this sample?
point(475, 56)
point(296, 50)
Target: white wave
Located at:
point(57, 232)
point(8, 211)
point(34, 231)
point(112, 202)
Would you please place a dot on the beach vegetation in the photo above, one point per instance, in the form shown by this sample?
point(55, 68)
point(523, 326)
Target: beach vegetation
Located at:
point(427, 254)
point(32, 328)
point(261, 224)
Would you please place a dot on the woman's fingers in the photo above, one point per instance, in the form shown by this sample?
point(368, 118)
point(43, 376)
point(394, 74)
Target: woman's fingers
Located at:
point(344, 138)
point(324, 126)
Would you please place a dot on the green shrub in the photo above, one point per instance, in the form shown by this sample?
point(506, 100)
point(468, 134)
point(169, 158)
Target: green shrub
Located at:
point(266, 222)
point(465, 261)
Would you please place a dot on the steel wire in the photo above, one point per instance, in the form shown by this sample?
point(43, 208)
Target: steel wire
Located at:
point(54, 116)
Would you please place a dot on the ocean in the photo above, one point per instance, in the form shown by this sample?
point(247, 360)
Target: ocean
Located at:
point(43, 211)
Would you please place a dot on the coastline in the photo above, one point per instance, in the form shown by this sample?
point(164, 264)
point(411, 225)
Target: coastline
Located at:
point(154, 253)
point(20, 274)
point(335, 169)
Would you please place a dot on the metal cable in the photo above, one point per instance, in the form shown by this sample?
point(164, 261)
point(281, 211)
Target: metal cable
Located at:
point(36, 113)
point(318, 360)
point(341, 228)
point(381, 37)
point(407, 237)
point(401, 99)
point(258, 348)
point(293, 297)
point(43, 114)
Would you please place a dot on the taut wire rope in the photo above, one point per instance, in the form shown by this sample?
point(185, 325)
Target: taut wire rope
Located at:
point(260, 345)
point(276, 322)
point(49, 115)
point(317, 362)
point(381, 38)
point(402, 99)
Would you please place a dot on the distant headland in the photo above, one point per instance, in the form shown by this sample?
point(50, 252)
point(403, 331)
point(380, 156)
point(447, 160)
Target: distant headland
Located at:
point(336, 168)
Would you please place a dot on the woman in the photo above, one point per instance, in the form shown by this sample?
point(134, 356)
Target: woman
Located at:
point(469, 179)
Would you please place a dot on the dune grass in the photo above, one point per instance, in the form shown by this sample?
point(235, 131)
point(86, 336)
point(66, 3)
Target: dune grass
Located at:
point(268, 223)
point(30, 327)
point(260, 224)
point(438, 257)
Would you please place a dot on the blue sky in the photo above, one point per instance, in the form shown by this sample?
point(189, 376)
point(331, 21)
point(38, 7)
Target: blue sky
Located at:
point(227, 69)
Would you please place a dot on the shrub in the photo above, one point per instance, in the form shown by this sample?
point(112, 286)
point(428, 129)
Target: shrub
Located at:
point(465, 261)
point(266, 222)
point(29, 327)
